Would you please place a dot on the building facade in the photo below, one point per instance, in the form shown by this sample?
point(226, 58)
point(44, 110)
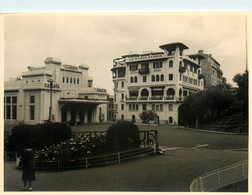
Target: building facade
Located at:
point(74, 99)
point(156, 81)
point(210, 69)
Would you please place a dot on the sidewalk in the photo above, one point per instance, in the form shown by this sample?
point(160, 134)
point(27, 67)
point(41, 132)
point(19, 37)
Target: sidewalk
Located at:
point(173, 171)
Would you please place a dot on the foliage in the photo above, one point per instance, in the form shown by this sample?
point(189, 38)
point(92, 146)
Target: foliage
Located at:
point(72, 149)
point(242, 81)
point(206, 106)
point(38, 136)
point(122, 135)
point(147, 116)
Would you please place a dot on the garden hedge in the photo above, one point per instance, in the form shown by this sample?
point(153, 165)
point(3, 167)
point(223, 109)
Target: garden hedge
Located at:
point(121, 136)
point(38, 136)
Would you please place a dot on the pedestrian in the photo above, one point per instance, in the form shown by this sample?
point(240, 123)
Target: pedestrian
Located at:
point(27, 162)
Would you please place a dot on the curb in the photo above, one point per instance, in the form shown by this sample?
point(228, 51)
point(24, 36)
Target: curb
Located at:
point(209, 131)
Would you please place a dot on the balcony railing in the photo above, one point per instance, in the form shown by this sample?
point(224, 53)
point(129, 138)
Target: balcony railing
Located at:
point(149, 98)
point(143, 98)
point(131, 98)
point(144, 71)
point(156, 97)
point(169, 98)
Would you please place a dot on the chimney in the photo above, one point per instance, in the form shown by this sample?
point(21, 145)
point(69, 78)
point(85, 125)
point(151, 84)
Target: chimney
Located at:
point(200, 51)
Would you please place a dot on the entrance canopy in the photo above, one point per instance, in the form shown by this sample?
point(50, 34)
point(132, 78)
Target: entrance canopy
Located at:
point(82, 101)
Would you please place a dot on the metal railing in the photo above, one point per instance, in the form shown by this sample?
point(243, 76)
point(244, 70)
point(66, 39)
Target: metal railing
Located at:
point(219, 178)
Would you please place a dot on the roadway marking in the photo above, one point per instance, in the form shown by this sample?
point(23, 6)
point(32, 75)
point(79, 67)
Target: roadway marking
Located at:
point(200, 146)
point(164, 148)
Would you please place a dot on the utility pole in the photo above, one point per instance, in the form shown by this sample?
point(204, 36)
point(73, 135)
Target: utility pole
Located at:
point(50, 108)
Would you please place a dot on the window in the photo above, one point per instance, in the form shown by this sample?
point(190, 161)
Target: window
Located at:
point(8, 107)
point(153, 78)
point(136, 106)
point(63, 79)
point(74, 80)
point(144, 78)
point(170, 77)
point(32, 99)
point(129, 106)
point(122, 96)
point(157, 107)
point(78, 80)
point(144, 107)
point(161, 107)
point(170, 107)
point(133, 67)
point(122, 106)
point(157, 65)
point(131, 79)
point(14, 99)
point(115, 85)
point(115, 97)
point(122, 117)
point(14, 112)
point(162, 77)
point(67, 79)
point(157, 77)
point(8, 100)
point(180, 77)
point(135, 79)
point(153, 107)
point(71, 80)
point(32, 112)
point(170, 64)
point(122, 84)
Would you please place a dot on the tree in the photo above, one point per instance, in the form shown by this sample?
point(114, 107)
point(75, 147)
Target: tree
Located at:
point(147, 116)
point(206, 106)
point(242, 81)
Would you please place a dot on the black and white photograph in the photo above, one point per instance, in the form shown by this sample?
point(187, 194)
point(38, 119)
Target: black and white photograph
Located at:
point(126, 102)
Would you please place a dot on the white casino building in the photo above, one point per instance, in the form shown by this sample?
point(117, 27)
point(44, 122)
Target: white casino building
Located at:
point(27, 98)
point(156, 81)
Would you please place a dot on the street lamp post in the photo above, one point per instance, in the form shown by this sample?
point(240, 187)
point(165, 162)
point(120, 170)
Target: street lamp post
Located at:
point(50, 108)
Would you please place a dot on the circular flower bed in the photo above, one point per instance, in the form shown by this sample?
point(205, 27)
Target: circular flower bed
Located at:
point(74, 148)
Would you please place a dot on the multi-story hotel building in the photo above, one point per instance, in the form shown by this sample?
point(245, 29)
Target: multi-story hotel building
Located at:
point(210, 69)
point(156, 81)
point(27, 98)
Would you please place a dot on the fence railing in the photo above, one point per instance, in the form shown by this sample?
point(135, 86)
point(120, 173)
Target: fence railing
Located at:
point(219, 178)
point(114, 158)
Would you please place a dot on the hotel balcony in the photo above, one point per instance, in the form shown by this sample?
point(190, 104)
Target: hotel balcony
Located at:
point(144, 71)
point(181, 69)
point(154, 98)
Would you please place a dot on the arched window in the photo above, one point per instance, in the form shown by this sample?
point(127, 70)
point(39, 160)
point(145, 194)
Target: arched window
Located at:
point(145, 92)
point(131, 79)
point(67, 79)
point(135, 79)
point(63, 79)
point(153, 78)
point(74, 80)
point(170, 119)
point(162, 77)
point(170, 64)
point(170, 92)
point(71, 80)
point(78, 80)
point(157, 77)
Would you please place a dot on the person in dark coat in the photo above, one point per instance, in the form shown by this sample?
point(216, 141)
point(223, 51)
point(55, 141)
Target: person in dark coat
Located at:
point(28, 167)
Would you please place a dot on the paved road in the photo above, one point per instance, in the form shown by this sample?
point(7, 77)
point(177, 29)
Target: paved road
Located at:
point(187, 154)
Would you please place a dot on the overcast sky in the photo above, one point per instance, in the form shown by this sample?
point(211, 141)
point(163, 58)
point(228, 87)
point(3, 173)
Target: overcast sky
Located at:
point(97, 39)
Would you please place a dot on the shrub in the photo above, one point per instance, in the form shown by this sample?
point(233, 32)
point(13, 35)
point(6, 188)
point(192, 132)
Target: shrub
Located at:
point(38, 136)
point(122, 135)
point(147, 116)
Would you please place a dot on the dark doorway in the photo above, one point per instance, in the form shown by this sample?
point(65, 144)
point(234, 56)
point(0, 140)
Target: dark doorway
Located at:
point(170, 120)
point(89, 115)
point(81, 115)
point(63, 114)
point(133, 120)
point(73, 117)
